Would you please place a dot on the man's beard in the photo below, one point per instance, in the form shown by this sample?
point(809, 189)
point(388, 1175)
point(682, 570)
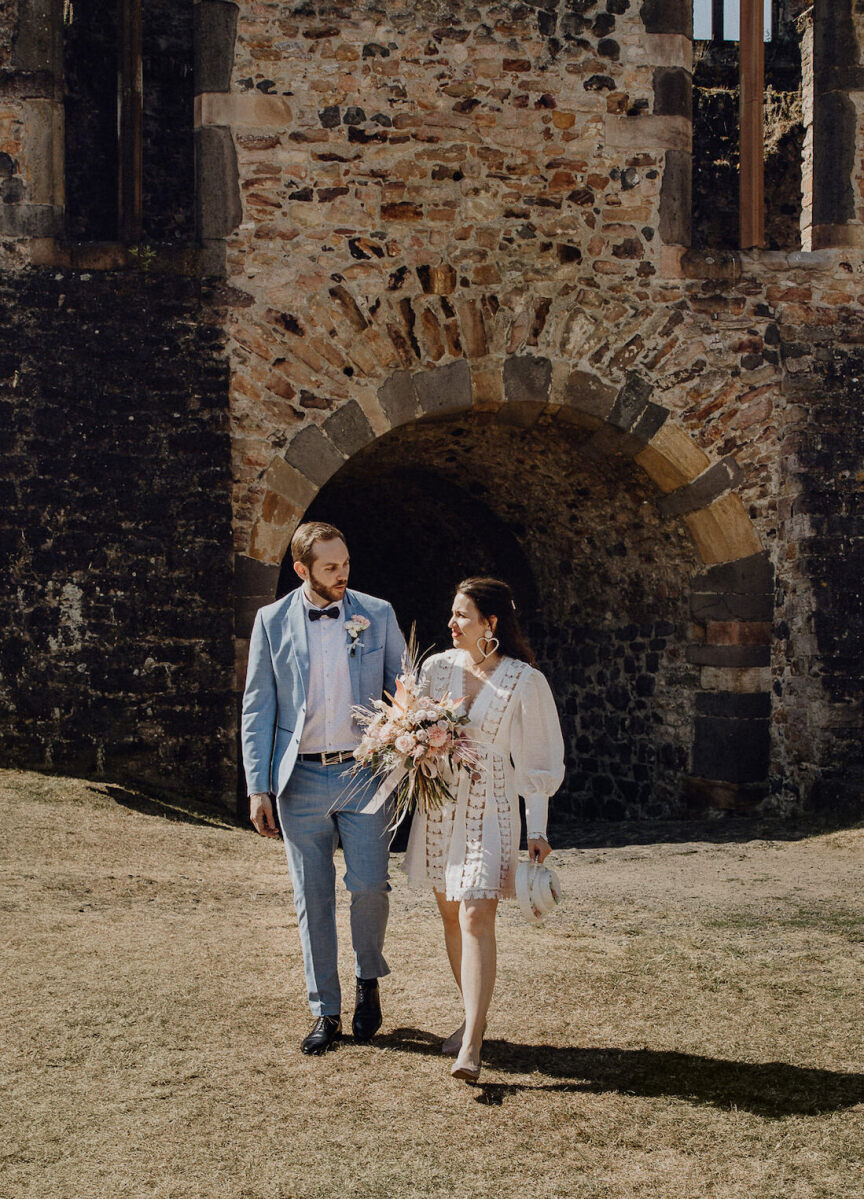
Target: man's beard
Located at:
point(332, 594)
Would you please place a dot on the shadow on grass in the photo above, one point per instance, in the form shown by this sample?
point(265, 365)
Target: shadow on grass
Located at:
point(569, 832)
point(182, 810)
point(770, 1089)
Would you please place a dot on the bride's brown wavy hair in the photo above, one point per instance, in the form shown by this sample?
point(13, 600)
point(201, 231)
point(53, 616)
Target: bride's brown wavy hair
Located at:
point(493, 597)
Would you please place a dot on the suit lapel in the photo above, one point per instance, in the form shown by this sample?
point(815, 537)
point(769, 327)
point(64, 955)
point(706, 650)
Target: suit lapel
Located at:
point(298, 634)
point(353, 607)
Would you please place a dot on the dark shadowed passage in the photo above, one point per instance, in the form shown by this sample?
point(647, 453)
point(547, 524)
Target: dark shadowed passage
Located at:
point(601, 580)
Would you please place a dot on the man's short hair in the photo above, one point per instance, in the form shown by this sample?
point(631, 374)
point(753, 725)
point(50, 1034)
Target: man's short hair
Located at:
point(305, 537)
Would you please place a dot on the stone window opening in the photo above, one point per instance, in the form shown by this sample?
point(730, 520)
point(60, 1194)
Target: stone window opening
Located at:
point(129, 110)
point(750, 156)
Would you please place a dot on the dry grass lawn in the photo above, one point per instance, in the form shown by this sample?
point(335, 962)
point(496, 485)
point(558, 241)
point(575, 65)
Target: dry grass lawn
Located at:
point(688, 1025)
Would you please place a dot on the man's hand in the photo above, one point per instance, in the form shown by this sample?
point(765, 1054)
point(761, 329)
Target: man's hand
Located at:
point(261, 814)
point(538, 849)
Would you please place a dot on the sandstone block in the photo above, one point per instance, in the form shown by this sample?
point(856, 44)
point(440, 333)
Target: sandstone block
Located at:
point(723, 531)
point(723, 678)
point(270, 542)
point(635, 133)
point(284, 480)
point(720, 632)
point(243, 110)
point(671, 458)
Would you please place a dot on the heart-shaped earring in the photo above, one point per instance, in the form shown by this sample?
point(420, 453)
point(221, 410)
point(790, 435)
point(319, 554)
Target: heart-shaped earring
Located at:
point(492, 642)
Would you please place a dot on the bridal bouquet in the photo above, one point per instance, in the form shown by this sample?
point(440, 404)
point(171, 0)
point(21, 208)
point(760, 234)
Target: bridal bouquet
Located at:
point(415, 741)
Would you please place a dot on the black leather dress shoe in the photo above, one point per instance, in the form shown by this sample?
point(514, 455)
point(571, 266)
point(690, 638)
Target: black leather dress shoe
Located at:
point(367, 1013)
point(322, 1035)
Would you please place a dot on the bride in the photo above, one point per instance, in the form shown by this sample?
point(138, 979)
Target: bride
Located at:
point(467, 851)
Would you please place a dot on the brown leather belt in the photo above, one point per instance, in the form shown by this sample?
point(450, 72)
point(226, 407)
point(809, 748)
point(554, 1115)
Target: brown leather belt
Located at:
point(329, 759)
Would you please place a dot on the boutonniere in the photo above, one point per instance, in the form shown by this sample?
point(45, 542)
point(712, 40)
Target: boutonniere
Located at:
point(354, 627)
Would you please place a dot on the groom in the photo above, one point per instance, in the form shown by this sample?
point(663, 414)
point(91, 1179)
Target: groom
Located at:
point(314, 655)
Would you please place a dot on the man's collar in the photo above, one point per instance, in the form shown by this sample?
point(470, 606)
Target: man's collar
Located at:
point(309, 605)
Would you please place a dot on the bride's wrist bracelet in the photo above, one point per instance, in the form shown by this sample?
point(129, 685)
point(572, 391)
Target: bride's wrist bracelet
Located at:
point(536, 836)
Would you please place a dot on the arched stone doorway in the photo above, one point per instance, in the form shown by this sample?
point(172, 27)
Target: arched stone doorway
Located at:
point(641, 579)
point(601, 578)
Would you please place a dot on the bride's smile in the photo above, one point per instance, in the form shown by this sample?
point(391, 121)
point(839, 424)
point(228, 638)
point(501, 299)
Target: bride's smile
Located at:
point(468, 626)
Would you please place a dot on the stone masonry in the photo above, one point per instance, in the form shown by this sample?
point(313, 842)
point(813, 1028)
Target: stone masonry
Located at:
point(448, 249)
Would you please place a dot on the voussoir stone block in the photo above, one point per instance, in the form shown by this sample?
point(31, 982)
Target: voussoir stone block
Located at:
point(671, 458)
point(589, 394)
point(444, 389)
point(284, 480)
point(719, 478)
point(723, 531)
point(527, 379)
point(348, 428)
point(269, 541)
point(753, 575)
point(398, 398)
point(630, 403)
point(314, 455)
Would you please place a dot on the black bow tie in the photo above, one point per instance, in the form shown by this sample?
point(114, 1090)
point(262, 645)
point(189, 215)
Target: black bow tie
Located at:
point(317, 613)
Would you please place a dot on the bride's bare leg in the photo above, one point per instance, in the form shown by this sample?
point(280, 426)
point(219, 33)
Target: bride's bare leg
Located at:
point(449, 910)
point(477, 921)
point(453, 941)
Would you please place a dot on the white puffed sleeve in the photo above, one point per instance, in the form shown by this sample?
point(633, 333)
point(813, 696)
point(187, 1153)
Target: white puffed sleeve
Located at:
point(537, 749)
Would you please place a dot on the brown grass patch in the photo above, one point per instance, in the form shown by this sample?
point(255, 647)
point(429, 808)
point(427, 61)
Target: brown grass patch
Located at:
point(688, 1025)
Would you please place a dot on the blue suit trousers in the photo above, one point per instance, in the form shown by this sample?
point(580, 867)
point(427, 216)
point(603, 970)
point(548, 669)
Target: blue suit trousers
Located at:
point(318, 807)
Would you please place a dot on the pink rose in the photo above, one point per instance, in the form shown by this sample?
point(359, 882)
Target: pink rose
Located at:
point(405, 743)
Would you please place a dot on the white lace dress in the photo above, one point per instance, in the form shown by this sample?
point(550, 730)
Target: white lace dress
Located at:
point(469, 849)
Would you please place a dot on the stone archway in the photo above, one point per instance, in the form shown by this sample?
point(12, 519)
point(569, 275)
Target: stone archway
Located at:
point(719, 755)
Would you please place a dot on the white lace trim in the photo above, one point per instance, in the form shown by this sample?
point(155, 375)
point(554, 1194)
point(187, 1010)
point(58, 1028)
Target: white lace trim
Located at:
point(486, 790)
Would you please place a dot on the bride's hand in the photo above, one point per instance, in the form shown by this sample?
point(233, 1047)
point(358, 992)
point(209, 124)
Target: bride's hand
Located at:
point(538, 849)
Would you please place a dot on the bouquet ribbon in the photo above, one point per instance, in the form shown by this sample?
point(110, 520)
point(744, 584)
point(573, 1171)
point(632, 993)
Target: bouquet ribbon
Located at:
point(386, 788)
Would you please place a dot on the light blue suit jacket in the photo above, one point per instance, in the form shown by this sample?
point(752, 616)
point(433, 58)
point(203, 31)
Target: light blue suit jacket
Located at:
point(274, 702)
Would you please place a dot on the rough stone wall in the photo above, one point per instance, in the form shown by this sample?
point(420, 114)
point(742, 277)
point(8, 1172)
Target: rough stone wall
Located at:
point(115, 530)
point(437, 166)
point(820, 532)
point(443, 217)
point(487, 183)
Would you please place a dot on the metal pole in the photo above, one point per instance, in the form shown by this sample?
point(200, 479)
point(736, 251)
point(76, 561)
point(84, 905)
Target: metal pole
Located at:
point(752, 145)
